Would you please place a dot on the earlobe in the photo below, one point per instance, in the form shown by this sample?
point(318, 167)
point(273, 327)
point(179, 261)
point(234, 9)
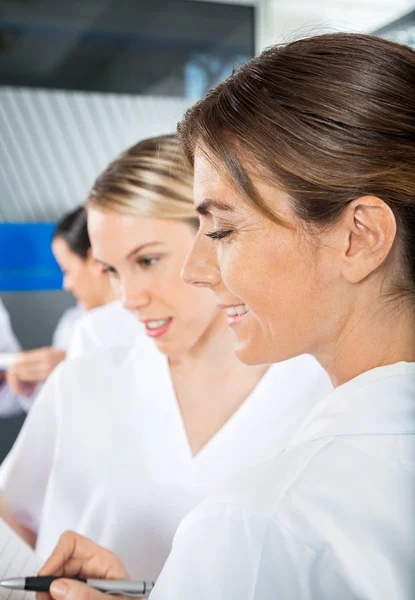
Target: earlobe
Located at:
point(371, 229)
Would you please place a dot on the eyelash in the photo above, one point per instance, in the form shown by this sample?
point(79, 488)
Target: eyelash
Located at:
point(143, 261)
point(219, 234)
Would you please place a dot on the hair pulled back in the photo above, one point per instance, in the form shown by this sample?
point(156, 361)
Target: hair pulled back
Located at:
point(328, 119)
point(72, 228)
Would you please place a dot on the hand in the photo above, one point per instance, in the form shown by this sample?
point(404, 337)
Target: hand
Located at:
point(33, 366)
point(22, 388)
point(76, 556)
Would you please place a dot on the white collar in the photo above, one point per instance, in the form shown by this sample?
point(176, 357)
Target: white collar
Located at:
point(378, 402)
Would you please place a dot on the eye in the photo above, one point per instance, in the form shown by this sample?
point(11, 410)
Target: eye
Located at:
point(147, 261)
point(110, 270)
point(219, 234)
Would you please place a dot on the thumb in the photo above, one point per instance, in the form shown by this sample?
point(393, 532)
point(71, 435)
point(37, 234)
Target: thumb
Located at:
point(70, 589)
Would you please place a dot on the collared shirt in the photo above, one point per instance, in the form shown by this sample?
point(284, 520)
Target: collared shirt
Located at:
point(330, 518)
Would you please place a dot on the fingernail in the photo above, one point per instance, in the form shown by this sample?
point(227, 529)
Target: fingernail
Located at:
point(58, 589)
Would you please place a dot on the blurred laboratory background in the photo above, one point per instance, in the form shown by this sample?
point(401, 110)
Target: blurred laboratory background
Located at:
point(81, 80)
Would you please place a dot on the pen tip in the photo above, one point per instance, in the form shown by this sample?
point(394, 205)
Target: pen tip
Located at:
point(11, 583)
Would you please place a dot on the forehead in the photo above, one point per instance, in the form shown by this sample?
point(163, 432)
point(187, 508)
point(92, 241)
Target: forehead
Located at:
point(208, 173)
point(214, 191)
point(123, 232)
point(211, 182)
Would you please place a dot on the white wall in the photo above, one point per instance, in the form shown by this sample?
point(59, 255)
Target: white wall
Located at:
point(54, 143)
point(284, 20)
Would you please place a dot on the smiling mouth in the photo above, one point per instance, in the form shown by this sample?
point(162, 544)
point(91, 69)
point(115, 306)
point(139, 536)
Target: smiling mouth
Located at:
point(157, 327)
point(156, 324)
point(235, 314)
point(241, 309)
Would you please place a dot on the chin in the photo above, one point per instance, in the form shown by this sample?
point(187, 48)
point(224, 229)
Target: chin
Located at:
point(258, 352)
point(170, 348)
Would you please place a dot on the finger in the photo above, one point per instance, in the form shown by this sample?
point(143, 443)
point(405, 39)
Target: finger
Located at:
point(63, 558)
point(14, 383)
point(77, 556)
point(33, 372)
point(29, 357)
point(67, 589)
point(41, 367)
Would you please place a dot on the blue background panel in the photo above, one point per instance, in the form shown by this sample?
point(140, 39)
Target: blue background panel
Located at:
point(26, 259)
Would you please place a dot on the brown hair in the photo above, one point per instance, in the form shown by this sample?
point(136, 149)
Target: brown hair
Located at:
point(328, 119)
point(150, 179)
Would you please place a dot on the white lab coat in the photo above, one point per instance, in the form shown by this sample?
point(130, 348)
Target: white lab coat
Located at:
point(330, 518)
point(104, 450)
point(103, 327)
point(62, 336)
point(9, 402)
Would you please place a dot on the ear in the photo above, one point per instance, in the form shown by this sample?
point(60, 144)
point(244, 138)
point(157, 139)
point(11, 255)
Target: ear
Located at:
point(370, 230)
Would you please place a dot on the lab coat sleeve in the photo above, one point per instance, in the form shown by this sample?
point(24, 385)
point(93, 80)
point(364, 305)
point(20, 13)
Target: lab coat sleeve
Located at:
point(10, 403)
point(229, 554)
point(24, 473)
point(226, 554)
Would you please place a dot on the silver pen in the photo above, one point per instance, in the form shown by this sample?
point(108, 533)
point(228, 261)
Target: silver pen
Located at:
point(133, 589)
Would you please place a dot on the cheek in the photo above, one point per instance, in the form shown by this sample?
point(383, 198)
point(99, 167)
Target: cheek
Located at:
point(115, 286)
point(241, 270)
point(83, 279)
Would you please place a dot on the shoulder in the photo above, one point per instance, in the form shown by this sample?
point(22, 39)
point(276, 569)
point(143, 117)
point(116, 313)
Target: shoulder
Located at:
point(72, 314)
point(326, 506)
point(104, 366)
point(323, 492)
point(110, 323)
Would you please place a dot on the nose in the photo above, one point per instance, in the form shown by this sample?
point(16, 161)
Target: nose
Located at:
point(201, 267)
point(133, 296)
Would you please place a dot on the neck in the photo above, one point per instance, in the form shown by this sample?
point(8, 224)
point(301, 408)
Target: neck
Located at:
point(368, 340)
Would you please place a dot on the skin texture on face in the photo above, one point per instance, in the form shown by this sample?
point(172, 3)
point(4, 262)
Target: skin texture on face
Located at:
point(265, 266)
point(144, 257)
point(80, 277)
point(307, 292)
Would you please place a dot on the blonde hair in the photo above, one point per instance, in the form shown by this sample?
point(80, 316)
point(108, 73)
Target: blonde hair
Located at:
point(150, 179)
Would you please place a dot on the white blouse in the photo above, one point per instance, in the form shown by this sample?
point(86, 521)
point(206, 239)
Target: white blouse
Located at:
point(330, 518)
point(104, 450)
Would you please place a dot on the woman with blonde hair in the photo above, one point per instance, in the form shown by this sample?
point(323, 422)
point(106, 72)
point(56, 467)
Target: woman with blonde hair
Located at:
point(122, 444)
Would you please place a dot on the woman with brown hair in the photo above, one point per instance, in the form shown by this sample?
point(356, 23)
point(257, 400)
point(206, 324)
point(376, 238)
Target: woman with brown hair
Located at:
point(305, 178)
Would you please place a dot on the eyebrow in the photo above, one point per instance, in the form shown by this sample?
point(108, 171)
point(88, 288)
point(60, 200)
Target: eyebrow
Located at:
point(205, 207)
point(133, 251)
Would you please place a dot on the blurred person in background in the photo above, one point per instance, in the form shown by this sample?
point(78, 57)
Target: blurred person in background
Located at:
point(9, 404)
point(121, 444)
point(90, 286)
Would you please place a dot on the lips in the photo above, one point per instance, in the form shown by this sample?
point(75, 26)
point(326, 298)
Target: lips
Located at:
point(156, 328)
point(235, 313)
